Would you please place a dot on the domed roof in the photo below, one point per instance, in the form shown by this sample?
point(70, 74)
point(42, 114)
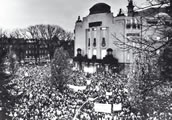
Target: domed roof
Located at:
point(100, 8)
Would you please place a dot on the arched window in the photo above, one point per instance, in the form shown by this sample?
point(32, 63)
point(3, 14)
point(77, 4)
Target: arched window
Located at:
point(134, 25)
point(88, 42)
point(128, 24)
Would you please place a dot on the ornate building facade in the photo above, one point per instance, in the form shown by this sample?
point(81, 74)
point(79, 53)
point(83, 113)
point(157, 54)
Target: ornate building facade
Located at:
point(100, 30)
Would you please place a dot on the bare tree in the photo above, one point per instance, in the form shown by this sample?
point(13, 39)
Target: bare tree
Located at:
point(49, 35)
point(69, 36)
point(42, 31)
point(3, 33)
point(33, 32)
point(17, 33)
point(155, 28)
point(146, 85)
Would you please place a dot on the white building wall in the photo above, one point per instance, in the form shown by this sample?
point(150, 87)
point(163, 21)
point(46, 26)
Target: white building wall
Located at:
point(115, 26)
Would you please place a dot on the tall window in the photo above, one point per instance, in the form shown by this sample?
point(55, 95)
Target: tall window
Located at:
point(128, 56)
point(134, 25)
point(88, 42)
point(94, 42)
point(103, 42)
point(128, 24)
point(138, 26)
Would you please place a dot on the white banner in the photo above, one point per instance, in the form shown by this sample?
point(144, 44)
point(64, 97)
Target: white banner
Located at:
point(90, 69)
point(117, 107)
point(105, 108)
point(108, 93)
point(77, 88)
point(88, 82)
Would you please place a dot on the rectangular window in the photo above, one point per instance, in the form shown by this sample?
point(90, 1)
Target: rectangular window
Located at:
point(103, 28)
point(128, 56)
point(128, 24)
point(88, 30)
point(94, 52)
point(133, 34)
point(103, 53)
point(89, 53)
point(152, 21)
point(134, 26)
point(95, 24)
point(94, 29)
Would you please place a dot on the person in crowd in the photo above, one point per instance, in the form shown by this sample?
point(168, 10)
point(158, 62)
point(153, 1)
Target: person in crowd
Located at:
point(41, 101)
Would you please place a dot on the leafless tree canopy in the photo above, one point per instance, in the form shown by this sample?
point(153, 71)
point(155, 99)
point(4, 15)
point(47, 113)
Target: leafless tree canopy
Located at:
point(39, 32)
point(152, 18)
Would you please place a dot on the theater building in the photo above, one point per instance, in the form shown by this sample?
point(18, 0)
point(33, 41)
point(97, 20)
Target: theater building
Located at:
point(98, 32)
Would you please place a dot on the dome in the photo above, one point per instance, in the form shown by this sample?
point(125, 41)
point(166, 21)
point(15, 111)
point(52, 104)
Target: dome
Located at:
point(100, 8)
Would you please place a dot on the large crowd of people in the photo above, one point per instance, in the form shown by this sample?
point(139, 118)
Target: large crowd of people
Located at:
point(41, 101)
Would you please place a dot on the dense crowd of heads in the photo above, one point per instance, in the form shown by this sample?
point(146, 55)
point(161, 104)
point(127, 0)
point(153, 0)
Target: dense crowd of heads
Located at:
point(41, 101)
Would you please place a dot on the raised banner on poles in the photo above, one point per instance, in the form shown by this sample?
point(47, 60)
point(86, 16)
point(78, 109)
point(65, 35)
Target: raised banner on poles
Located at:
point(90, 69)
point(77, 88)
point(107, 108)
point(100, 107)
point(88, 82)
point(108, 93)
point(117, 107)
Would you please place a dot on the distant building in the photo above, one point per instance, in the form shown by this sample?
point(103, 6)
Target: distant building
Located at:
point(36, 51)
point(26, 50)
point(33, 50)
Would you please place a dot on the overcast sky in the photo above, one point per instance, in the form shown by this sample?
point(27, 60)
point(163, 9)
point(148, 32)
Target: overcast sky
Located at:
point(22, 13)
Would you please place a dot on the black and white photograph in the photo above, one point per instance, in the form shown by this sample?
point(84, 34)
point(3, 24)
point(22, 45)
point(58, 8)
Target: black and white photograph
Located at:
point(85, 59)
